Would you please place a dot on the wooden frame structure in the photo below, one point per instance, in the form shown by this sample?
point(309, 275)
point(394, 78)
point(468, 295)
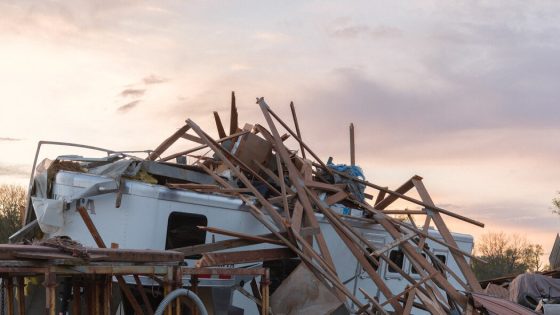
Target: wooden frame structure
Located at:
point(295, 183)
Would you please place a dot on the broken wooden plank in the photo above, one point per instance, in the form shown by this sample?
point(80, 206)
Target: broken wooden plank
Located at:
point(219, 126)
point(233, 119)
point(167, 143)
point(294, 116)
point(174, 155)
point(254, 238)
point(352, 146)
point(230, 258)
point(394, 243)
point(192, 138)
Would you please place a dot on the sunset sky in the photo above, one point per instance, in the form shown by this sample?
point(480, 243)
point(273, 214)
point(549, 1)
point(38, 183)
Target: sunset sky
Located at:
point(462, 93)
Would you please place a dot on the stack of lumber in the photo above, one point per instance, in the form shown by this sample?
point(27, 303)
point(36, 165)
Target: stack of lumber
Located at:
point(285, 188)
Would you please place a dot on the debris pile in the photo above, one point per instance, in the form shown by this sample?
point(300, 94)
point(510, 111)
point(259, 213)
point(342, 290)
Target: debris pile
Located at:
point(288, 190)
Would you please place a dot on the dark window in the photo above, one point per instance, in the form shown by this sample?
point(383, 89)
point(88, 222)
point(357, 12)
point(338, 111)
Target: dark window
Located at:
point(182, 230)
point(442, 258)
point(372, 261)
point(396, 256)
point(412, 269)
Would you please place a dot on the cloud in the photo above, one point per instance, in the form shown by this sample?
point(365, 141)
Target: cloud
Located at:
point(132, 92)
point(362, 30)
point(21, 171)
point(128, 106)
point(154, 79)
point(9, 139)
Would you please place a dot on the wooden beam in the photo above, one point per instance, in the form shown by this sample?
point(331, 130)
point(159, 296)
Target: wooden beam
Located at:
point(219, 126)
point(192, 138)
point(233, 119)
point(294, 116)
point(227, 258)
point(218, 150)
point(352, 147)
point(337, 197)
point(225, 244)
point(394, 243)
point(255, 238)
point(167, 143)
point(446, 235)
point(266, 108)
point(172, 156)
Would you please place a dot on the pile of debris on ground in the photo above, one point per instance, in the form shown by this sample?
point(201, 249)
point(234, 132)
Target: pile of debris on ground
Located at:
point(286, 189)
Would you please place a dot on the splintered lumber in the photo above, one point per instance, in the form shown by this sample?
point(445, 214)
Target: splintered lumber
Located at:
point(241, 235)
point(226, 244)
point(219, 126)
point(404, 197)
point(233, 120)
point(287, 193)
point(167, 143)
point(174, 155)
point(293, 108)
point(352, 147)
point(315, 263)
point(446, 234)
point(217, 259)
point(297, 182)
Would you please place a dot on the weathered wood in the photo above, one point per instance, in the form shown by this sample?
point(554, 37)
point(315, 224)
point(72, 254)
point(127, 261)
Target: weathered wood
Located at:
point(222, 155)
point(446, 234)
point(167, 143)
point(219, 126)
point(352, 146)
point(221, 245)
point(266, 108)
point(233, 119)
point(174, 155)
point(216, 259)
point(192, 138)
point(409, 302)
point(143, 294)
point(394, 243)
point(254, 238)
point(297, 181)
point(322, 268)
point(294, 116)
point(337, 197)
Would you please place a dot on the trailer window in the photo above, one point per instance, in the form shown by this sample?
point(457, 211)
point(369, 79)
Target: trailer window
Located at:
point(182, 230)
point(412, 269)
point(396, 256)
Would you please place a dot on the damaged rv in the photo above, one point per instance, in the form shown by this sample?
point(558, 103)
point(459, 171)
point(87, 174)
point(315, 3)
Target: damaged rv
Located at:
point(252, 202)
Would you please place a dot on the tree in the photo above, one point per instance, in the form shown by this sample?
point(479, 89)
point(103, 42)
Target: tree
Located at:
point(12, 205)
point(505, 255)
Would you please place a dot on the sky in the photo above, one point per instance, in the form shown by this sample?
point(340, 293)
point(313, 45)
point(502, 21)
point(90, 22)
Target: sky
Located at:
point(462, 93)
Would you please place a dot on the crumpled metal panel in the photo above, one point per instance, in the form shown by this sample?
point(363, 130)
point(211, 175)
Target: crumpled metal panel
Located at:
point(497, 306)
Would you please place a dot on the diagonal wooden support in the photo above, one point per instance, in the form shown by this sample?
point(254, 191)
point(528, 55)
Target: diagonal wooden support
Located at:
point(266, 108)
point(221, 154)
point(446, 234)
point(219, 126)
point(405, 197)
point(99, 241)
point(394, 243)
point(297, 182)
point(293, 108)
point(323, 269)
point(167, 143)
